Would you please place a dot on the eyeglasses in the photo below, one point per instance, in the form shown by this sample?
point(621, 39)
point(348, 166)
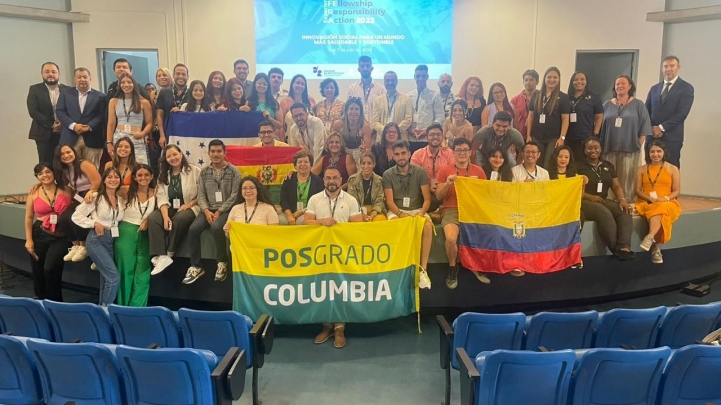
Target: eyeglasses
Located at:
point(531, 152)
point(435, 135)
point(462, 150)
point(266, 132)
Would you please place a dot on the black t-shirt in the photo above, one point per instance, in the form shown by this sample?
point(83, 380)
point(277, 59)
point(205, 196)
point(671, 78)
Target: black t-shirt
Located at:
point(168, 98)
point(585, 107)
point(552, 128)
point(604, 173)
point(367, 192)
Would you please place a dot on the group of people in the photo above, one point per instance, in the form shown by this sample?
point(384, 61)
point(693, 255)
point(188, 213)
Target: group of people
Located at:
point(381, 155)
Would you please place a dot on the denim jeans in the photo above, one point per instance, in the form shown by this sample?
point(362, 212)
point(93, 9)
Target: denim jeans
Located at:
point(100, 249)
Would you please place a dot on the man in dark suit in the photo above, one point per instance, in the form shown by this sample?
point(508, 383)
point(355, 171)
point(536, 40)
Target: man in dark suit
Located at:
point(81, 110)
point(668, 104)
point(42, 99)
point(120, 66)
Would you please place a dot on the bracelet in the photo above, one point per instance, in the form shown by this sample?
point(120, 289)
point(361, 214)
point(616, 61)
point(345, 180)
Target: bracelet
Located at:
point(108, 143)
point(398, 214)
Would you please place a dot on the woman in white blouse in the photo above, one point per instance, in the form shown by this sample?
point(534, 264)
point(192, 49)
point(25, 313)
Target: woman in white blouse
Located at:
point(254, 205)
point(177, 200)
point(131, 248)
point(102, 215)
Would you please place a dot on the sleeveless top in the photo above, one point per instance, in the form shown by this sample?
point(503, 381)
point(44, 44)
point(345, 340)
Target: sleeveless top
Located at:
point(663, 180)
point(492, 110)
point(473, 114)
point(352, 140)
point(82, 184)
point(340, 164)
point(126, 116)
point(136, 212)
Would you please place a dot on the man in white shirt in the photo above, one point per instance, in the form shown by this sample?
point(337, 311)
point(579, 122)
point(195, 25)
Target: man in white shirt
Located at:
point(528, 170)
point(427, 109)
point(276, 80)
point(328, 208)
point(394, 107)
point(366, 89)
point(307, 132)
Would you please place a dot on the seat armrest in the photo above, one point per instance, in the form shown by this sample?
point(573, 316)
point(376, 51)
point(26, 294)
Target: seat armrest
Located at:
point(268, 335)
point(469, 377)
point(446, 341)
point(229, 377)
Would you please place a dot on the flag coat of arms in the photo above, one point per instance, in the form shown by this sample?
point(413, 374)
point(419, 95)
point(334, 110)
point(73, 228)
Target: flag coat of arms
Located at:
point(534, 226)
point(270, 165)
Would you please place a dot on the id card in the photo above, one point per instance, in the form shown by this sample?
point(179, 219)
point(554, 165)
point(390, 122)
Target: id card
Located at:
point(406, 202)
point(218, 196)
point(599, 188)
point(433, 183)
point(619, 121)
point(170, 225)
point(127, 128)
point(653, 194)
point(573, 117)
point(79, 198)
point(494, 176)
point(53, 219)
point(542, 119)
point(176, 203)
point(114, 231)
point(299, 205)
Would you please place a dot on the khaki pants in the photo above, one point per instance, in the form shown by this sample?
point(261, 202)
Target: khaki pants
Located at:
point(337, 325)
point(92, 154)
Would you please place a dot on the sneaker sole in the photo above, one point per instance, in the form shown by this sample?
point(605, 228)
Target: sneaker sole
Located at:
point(222, 279)
point(79, 260)
point(320, 342)
point(483, 279)
point(339, 346)
point(452, 286)
point(194, 279)
point(160, 270)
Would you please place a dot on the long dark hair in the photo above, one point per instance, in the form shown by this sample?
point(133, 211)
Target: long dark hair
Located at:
point(572, 90)
point(506, 104)
point(164, 167)
point(131, 157)
point(59, 167)
point(210, 90)
point(553, 100)
point(303, 97)
point(192, 103)
point(385, 129)
point(357, 101)
point(136, 105)
point(504, 171)
point(263, 195)
point(571, 170)
point(102, 190)
point(133, 190)
point(228, 101)
point(269, 99)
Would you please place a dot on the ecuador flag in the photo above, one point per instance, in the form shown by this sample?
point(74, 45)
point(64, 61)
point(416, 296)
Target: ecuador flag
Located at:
point(270, 165)
point(534, 226)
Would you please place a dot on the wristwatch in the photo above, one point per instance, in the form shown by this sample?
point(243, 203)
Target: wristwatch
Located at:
point(563, 138)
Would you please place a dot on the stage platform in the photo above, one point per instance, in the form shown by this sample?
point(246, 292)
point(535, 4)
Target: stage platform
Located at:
point(694, 253)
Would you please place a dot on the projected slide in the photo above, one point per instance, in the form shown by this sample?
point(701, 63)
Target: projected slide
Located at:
point(324, 38)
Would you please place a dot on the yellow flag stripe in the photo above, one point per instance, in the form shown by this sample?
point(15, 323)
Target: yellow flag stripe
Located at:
point(269, 175)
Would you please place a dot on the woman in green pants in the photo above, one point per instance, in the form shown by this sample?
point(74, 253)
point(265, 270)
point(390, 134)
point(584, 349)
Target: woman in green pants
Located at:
point(132, 251)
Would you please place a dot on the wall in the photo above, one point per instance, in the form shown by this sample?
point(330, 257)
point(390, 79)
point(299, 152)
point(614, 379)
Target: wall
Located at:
point(26, 45)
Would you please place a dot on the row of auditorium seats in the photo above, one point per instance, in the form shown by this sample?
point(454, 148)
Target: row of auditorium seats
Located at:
point(475, 333)
point(66, 324)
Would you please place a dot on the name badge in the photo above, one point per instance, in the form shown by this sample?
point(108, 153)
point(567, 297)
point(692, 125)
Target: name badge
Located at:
point(542, 119)
point(599, 188)
point(619, 121)
point(299, 205)
point(114, 231)
point(573, 117)
point(433, 184)
point(364, 210)
point(127, 128)
point(54, 219)
point(176, 203)
point(218, 196)
point(170, 225)
point(406, 202)
point(653, 194)
point(494, 175)
point(78, 198)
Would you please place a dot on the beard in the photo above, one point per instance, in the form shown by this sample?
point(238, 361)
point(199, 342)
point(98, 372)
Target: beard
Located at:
point(50, 82)
point(365, 75)
point(332, 187)
point(445, 89)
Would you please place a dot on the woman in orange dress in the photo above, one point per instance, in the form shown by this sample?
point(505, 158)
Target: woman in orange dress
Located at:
point(658, 184)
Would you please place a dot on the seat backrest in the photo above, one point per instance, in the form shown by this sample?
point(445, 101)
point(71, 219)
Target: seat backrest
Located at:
point(632, 327)
point(80, 321)
point(524, 377)
point(166, 376)
point(216, 331)
point(618, 377)
point(24, 317)
point(691, 376)
point(686, 324)
point(19, 379)
point(84, 373)
point(556, 331)
point(141, 327)
point(485, 332)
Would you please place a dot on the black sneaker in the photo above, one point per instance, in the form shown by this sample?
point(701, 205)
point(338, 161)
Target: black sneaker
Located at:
point(452, 278)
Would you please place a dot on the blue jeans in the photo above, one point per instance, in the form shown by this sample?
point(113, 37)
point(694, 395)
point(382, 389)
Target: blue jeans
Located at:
point(100, 249)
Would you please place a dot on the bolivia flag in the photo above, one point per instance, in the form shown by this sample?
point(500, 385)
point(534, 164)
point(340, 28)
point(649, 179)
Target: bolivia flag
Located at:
point(270, 164)
point(534, 227)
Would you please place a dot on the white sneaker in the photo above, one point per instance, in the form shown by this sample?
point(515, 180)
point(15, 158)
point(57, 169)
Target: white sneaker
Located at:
point(647, 243)
point(161, 263)
point(193, 274)
point(154, 260)
point(424, 281)
point(222, 271)
point(71, 252)
point(481, 277)
point(80, 254)
point(656, 256)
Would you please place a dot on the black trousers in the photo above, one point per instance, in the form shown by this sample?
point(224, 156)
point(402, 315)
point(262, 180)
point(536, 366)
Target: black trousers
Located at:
point(46, 149)
point(48, 269)
point(156, 230)
point(72, 231)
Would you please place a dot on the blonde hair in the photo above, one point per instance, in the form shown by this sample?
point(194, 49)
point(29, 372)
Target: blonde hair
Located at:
point(168, 73)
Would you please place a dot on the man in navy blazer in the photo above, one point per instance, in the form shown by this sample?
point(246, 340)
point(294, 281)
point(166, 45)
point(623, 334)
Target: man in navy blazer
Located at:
point(81, 110)
point(668, 104)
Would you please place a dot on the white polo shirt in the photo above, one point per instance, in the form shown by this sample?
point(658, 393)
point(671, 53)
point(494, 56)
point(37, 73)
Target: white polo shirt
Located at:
point(520, 174)
point(341, 209)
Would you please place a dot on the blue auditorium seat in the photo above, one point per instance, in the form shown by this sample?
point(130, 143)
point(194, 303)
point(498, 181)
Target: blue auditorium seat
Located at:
point(82, 322)
point(187, 376)
point(556, 330)
point(692, 377)
point(516, 377)
point(218, 331)
point(475, 333)
point(142, 327)
point(83, 373)
point(24, 317)
point(19, 379)
point(618, 377)
point(637, 328)
point(686, 324)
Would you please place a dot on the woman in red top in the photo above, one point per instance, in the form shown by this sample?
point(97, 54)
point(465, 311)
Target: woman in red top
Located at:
point(334, 155)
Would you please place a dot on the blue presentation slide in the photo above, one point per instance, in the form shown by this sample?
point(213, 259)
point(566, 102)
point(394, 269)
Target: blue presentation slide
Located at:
point(324, 38)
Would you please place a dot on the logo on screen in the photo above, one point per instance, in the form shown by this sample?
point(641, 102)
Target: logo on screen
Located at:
point(317, 71)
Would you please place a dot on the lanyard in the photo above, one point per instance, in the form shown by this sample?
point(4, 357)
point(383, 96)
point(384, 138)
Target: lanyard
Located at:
point(469, 168)
point(328, 110)
point(175, 184)
point(113, 211)
point(597, 169)
point(332, 209)
point(471, 107)
point(545, 101)
point(245, 208)
point(331, 162)
point(303, 136)
point(418, 99)
point(125, 172)
point(648, 174)
point(405, 182)
point(366, 92)
point(368, 191)
point(52, 202)
point(301, 191)
point(178, 98)
point(573, 105)
point(433, 160)
point(390, 105)
point(620, 108)
point(532, 176)
point(126, 112)
point(221, 177)
point(140, 208)
point(499, 141)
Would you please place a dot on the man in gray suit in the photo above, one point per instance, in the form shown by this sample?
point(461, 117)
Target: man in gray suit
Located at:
point(42, 100)
point(81, 111)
